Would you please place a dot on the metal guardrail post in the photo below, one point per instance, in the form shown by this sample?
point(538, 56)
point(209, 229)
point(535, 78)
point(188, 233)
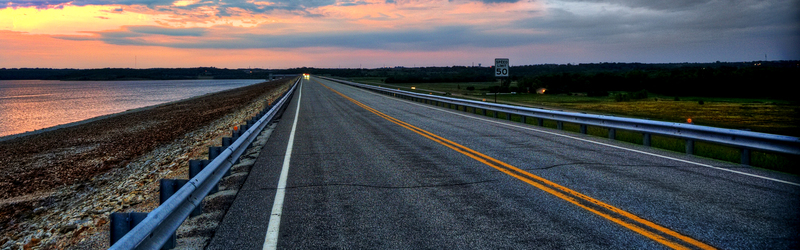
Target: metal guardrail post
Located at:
point(646, 139)
point(235, 134)
point(689, 146)
point(122, 223)
point(745, 156)
point(213, 152)
point(227, 141)
point(612, 133)
point(560, 125)
point(168, 187)
point(195, 166)
point(583, 129)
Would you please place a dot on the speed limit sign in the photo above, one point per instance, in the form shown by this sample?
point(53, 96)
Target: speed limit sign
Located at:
point(501, 67)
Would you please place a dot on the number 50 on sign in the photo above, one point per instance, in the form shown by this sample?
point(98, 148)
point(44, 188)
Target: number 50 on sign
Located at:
point(501, 67)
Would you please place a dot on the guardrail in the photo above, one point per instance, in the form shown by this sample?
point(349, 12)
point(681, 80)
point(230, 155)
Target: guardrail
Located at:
point(155, 229)
point(744, 140)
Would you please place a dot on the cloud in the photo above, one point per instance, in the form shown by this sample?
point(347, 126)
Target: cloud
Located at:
point(156, 30)
point(75, 37)
point(40, 4)
point(224, 7)
point(707, 20)
point(688, 29)
point(227, 37)
point(593, 29)
point(616, 24)
point(499, 1)
point(649, 4)
point(117, 10)
point(352, 3)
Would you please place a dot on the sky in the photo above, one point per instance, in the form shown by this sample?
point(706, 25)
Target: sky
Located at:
point(389, 33)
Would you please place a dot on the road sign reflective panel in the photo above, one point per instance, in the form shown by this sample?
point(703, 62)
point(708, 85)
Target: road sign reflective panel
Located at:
point(501, 67)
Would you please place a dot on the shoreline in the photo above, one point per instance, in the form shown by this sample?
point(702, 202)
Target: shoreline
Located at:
point(59, 154)
point(102, 117)
point(76, 214)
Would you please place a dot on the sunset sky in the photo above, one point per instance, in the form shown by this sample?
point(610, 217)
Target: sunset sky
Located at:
point(366, 33)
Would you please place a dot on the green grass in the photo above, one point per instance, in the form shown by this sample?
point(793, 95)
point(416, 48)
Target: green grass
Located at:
point(756, 114)
point(716, 151)
point(775, 161)
point(668, 143)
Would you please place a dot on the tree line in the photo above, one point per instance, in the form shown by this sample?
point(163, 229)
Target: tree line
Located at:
point(769, 79)
point(723, 81)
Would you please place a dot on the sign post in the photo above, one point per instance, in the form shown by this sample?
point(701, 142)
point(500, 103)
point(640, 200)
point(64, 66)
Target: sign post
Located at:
point(500, 70)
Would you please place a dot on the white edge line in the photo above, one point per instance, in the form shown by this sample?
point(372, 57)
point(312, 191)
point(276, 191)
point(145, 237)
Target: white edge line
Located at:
point(591, 141)
point(271, 240)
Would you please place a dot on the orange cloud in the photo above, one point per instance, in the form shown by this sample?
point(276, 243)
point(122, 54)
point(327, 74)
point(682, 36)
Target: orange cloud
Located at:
point(69, 20)
point(183, 33)
point(21, 50)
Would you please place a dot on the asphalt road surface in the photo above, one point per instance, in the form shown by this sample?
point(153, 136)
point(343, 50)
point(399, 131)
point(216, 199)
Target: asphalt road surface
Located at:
point(368, 171)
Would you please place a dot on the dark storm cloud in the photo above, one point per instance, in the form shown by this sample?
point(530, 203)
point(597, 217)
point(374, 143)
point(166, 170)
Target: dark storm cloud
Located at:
point(649, 4)
point(705, 20)
point(693, 30)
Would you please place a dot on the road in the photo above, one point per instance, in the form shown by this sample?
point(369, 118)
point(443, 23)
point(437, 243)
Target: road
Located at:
point(366, 171)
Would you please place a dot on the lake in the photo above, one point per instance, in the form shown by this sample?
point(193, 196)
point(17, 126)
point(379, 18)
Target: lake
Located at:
point(27, 105)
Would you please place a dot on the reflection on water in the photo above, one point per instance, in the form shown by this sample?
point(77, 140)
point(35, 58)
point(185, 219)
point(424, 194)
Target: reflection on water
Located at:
point(27, 105)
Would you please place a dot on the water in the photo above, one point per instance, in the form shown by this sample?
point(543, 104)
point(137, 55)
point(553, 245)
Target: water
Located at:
point(27, 105)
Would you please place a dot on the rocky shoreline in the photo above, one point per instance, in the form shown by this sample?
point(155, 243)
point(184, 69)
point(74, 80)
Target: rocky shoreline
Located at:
point(70, 211)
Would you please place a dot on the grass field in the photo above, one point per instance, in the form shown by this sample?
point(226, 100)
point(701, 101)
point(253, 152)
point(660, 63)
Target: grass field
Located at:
point(760, 115)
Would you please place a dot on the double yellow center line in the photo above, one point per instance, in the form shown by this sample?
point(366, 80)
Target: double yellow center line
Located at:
point(644, 227)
